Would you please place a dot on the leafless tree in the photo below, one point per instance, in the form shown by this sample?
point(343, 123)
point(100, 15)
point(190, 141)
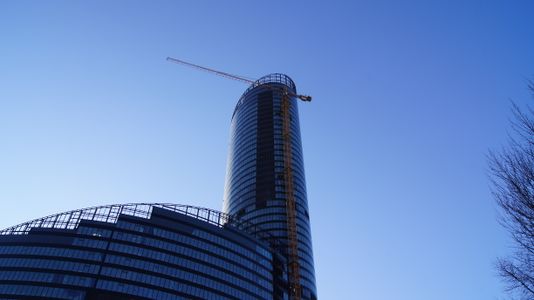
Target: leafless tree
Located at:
point(512, 176)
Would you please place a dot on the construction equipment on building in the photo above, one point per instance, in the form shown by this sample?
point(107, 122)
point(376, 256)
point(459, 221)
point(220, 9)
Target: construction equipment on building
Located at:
point(291, 210)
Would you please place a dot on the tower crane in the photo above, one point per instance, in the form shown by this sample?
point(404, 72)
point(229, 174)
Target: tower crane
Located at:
point(235, 77)
point(291, 209)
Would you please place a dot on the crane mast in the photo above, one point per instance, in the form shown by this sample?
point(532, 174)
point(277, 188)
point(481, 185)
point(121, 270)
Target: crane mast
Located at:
point(291, 207)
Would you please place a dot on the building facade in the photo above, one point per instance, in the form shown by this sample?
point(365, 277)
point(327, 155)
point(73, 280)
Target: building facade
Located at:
point(255, 190)
point(170, 251)
point(138, 251)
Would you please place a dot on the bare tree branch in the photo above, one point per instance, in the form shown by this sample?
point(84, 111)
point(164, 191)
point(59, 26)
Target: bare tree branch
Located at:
point(512, 178)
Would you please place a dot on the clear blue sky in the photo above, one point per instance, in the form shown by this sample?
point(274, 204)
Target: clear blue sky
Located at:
point(408, 98)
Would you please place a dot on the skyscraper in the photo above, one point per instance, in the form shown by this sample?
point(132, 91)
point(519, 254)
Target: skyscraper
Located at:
point(255, 188)
point(171, 251)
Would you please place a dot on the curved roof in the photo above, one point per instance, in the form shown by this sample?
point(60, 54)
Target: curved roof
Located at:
point(274, 78)
point(110, 214)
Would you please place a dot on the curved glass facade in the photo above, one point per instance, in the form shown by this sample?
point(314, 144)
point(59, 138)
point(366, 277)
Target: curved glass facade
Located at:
point(255, 188)
point(131, 252)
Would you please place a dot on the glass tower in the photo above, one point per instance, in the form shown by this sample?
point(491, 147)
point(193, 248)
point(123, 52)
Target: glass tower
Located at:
point(255, 189)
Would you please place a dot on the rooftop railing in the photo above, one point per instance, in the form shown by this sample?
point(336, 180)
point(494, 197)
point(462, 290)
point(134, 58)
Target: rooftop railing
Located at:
point(111, 213)
point(276, 78)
